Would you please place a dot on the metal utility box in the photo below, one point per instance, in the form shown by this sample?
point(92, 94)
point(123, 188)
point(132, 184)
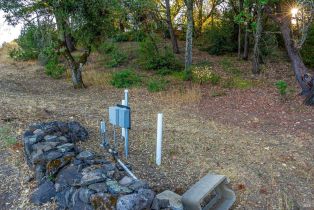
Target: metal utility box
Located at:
point(210, 192)
point(120, 116)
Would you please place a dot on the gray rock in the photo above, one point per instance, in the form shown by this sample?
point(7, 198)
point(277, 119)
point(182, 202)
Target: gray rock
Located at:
point(173, 198)
point(115, 188)
point(65, 147)
point(39, 132)
point(51, 138)
point(77, 203)
point(98, 187)
point(45, 146)
point(37, 157)
point(138, 184)
point(163, 203)
point(61, 199)
point(126, 181)
point(136, 201)
point(68, 176)
point(32, 139)
point(77, 132)
point(52, 155)
point(39, 173)
point(84, 194)
point(85, 155)
point(44, 193)
point(92, 178)
point(63, 139)
point(109, 167)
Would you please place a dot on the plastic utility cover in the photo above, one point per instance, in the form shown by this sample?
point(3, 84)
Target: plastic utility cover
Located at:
point(210, 192)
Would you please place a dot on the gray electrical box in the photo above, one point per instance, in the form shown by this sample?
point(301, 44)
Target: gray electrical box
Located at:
point(120, 116)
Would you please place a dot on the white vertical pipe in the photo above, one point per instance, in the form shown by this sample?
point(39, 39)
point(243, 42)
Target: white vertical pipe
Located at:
point(126, 134)
point(159, 138)
point(123, 129)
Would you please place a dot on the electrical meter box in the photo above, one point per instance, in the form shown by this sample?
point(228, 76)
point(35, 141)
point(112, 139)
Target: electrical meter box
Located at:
point(120, 116)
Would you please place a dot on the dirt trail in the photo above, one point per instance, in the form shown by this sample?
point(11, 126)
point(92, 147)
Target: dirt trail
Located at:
point(268, 170)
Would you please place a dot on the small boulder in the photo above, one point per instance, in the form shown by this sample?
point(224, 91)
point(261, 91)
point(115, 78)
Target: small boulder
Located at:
point(98, 187)
point(126, 181)
point(85, 155)
point(136, 201)
point(44, 193)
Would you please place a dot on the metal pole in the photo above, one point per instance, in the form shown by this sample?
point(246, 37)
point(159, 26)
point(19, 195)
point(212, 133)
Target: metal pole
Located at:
point(126, 137)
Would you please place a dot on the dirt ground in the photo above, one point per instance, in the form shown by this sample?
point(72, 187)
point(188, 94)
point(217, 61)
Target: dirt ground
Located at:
point(261, 143)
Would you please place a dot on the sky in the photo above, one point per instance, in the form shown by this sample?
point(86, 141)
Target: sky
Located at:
point(7, 32)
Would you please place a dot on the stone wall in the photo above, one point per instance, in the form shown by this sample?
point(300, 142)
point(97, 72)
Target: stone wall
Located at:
point(78, 179)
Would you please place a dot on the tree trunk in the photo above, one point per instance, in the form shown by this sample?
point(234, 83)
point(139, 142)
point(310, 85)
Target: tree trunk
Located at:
point(69, 40)
point(246, 44)
point(239, 31)
point(301, 73)
point(305, 80)
point(173, 37)
point(76, 67)
point(257, 37)
point(189, 37)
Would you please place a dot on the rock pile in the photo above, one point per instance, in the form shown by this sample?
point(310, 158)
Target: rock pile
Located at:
point(78, 179)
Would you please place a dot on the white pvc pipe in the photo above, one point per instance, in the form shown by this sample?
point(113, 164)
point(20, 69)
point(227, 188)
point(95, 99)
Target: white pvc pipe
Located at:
point(159, 139)
point(123, 129)
point(126, 133)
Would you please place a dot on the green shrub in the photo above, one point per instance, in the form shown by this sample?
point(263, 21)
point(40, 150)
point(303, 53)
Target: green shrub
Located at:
point(155, 85)
point(204, 74)
point(28, 44)
point(54, 69)
point(281, 87)
point(153, 58)
point(117, 58)
point(106, 48)
point(218, 39)
point(121, 37)
point(47, 54)
point(125, 79)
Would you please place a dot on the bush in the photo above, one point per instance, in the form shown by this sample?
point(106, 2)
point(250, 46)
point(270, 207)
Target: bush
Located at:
point(121, 37)
point(136, 36)
point(116, 57)
point(54, 69)
point(125, 79)
point(153, 58)
point(281, 87)
point(155, 85)
point(106, 48)
point(28, 43)
point(48, 54)
point(218, 39)
point(204, 74)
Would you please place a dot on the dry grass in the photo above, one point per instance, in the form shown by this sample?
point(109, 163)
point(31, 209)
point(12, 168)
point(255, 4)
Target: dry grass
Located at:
point(182, 95)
